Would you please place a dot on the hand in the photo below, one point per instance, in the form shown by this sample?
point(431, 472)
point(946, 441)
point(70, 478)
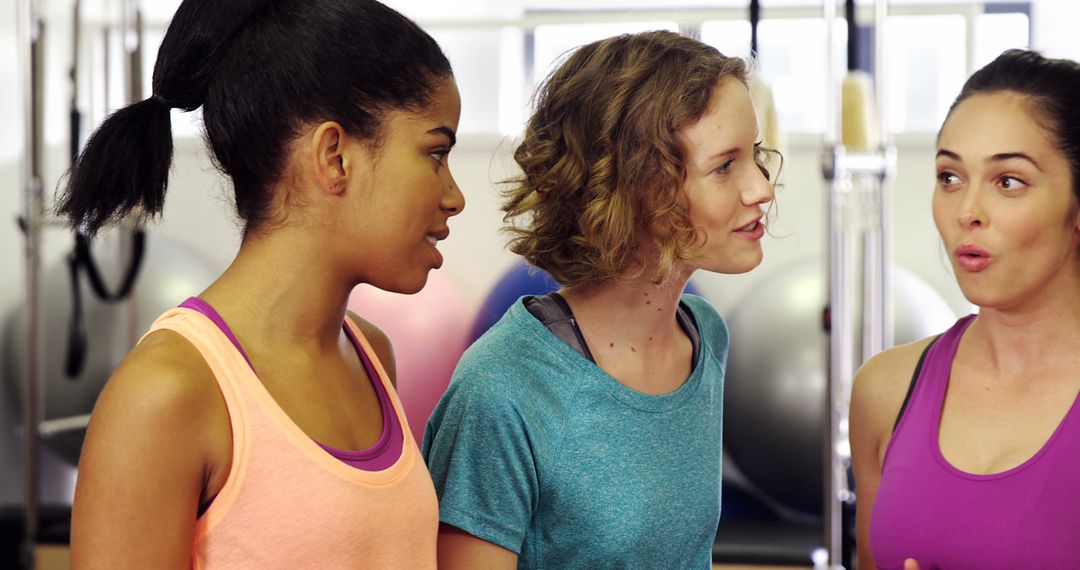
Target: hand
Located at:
point(911, 564)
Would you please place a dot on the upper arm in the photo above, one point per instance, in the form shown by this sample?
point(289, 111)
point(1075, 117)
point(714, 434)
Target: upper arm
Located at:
point(482, 452)
point(145, 461)
point(380, 343)
point(877, 395)
point(461, 550)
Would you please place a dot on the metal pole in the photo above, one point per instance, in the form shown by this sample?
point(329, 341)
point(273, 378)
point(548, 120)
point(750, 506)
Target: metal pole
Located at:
point(858, 212)
point(877, 327)
point(75, 116)
point(131, 24)
point(31, 33)
point(839, 292)
point(841, 351)
point(881, 14)
point(832, 88)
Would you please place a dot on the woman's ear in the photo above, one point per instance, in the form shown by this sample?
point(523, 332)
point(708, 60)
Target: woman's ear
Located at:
point(327, 147)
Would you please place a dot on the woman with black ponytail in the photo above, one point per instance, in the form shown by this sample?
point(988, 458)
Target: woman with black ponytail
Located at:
point(256, 425)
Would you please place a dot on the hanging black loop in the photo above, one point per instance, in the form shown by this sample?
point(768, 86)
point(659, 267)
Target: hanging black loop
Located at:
point(76, 341)
point(84, 258)
point(755, 19)
point(81, 259)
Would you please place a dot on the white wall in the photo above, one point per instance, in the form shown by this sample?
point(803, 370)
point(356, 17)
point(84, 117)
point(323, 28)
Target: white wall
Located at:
point(198, 208)
point(1054, 28)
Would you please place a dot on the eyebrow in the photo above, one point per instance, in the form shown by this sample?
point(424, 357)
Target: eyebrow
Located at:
point(728, 152)
point(999, 157)
point(445, 131)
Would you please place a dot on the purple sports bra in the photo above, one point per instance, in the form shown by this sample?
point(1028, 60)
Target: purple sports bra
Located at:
point(386, 450)
point(926, 509)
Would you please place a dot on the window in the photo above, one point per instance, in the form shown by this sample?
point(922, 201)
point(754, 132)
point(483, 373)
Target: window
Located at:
point(932, 46)
point(554, 42)
point(995, 33)
point(925, 68)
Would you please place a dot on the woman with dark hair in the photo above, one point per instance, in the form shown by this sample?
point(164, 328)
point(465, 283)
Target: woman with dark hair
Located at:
point(256, 425)
point(583, 429)
point(973, 459)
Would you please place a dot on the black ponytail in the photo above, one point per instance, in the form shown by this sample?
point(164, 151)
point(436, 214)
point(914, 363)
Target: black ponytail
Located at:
point(260, 70)
point(124, 166)
point(199, 37)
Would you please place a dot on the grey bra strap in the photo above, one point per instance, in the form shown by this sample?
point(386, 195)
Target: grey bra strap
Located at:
point(555, 314)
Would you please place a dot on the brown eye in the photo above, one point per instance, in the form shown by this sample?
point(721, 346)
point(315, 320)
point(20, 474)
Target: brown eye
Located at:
point(1011, 183)
point(947, 178)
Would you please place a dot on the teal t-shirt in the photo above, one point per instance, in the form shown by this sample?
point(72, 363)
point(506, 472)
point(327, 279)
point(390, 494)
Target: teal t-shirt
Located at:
point(536, 449)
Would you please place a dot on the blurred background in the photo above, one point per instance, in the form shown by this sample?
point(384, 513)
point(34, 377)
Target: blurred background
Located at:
point(500, 50)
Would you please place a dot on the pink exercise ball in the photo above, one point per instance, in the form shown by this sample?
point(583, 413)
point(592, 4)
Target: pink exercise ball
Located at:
point(429, 331)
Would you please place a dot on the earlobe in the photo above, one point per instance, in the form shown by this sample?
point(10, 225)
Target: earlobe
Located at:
point(327, 145)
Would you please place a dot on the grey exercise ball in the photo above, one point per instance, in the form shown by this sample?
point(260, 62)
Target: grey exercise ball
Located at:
point(774, 392)
point(169, 274)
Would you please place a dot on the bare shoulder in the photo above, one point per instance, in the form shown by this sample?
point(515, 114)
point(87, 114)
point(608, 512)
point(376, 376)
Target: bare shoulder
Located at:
point(166, 392)
point(384, 349)
point(881, 385)
point(894, 364)
point(892, 368)
point(163, 372)
point(158, 439)
point(162, 396)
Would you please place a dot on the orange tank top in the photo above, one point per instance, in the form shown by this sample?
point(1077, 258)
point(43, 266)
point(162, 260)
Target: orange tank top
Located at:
point(287, 503)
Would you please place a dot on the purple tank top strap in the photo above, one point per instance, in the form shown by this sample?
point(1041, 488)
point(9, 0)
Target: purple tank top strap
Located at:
point(197, 304)
point(382, 454)
point(386, 451)
point(928, 393)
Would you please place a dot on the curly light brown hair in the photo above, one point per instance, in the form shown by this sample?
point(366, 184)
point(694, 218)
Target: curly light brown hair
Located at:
point(602, 164)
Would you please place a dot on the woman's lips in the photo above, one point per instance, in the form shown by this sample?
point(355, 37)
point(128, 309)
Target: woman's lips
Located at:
point(754, 230)
point(972, 258)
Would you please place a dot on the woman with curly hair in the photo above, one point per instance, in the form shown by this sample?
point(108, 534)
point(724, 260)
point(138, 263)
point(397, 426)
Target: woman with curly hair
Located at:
point(583, 430)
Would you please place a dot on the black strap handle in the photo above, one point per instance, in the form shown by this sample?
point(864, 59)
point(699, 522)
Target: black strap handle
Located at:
point(755, 18)
point(85, 258)
point(80, 259)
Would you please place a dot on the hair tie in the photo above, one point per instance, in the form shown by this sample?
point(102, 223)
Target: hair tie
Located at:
point(161, 101)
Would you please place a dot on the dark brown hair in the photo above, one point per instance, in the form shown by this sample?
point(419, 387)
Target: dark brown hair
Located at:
point(1051, 85)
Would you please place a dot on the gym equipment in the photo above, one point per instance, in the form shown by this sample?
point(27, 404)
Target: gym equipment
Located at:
point(170, 273)
point(774, 400)
point(859, 220)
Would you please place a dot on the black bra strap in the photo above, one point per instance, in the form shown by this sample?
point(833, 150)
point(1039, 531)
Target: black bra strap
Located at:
point(689, 326)
point(914, 378)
